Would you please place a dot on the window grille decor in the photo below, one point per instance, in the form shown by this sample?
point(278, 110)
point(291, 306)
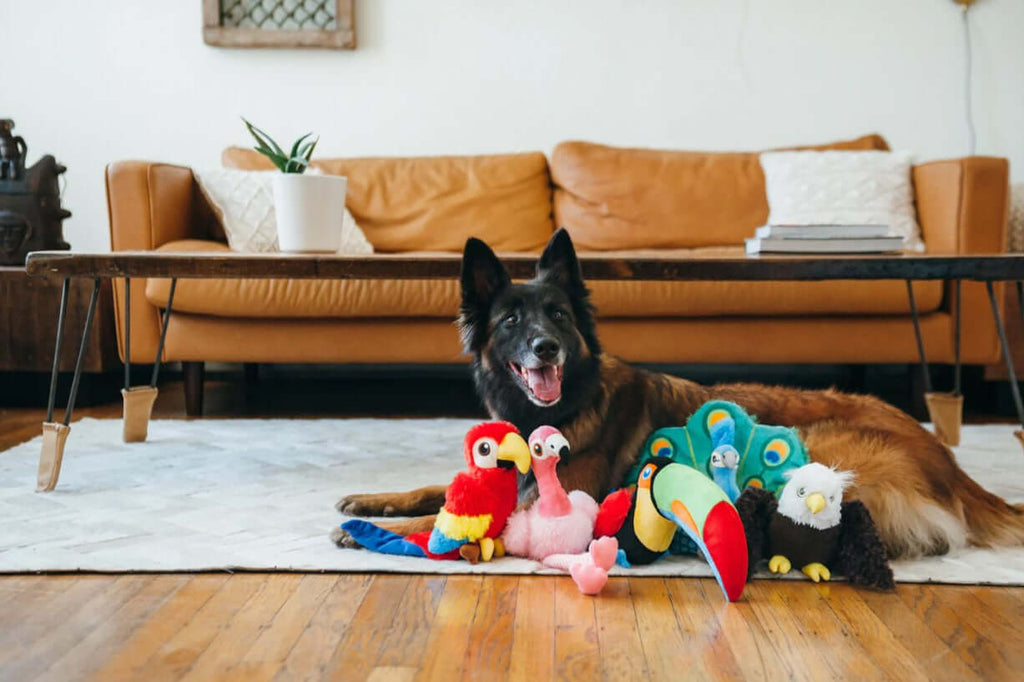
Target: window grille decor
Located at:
point(279, 23)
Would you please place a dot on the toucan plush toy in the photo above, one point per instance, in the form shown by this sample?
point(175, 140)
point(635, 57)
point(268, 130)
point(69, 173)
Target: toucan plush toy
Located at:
point(811, 529)
point(670, 496)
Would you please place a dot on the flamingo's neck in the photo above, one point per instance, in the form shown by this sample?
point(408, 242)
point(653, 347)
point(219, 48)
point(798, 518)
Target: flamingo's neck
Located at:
point(553, 500)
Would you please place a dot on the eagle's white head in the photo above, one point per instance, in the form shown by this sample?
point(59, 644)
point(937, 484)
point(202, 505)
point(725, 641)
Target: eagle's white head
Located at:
point(813, 495)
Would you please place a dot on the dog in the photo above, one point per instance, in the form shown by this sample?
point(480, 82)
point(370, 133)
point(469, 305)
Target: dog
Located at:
point(537, 359)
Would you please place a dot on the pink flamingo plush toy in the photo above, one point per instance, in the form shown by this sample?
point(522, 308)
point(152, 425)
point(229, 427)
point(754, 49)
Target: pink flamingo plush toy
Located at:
point(558, 529)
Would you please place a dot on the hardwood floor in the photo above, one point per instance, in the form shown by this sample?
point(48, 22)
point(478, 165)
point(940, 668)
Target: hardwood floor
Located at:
point(287, 626)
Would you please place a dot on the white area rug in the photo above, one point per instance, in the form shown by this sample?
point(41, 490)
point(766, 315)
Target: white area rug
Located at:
point(259, 495)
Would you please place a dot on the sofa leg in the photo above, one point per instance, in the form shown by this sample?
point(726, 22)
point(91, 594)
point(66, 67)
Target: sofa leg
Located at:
point(194, 372)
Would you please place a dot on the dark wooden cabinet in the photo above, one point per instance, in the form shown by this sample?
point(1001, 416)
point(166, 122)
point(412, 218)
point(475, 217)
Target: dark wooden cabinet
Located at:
point(28, 324)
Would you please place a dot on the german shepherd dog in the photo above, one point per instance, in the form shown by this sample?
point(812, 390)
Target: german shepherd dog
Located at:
point(537, 360)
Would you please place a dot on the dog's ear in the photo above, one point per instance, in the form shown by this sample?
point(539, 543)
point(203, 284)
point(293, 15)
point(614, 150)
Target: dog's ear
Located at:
point(559, 265)
point(483, 278)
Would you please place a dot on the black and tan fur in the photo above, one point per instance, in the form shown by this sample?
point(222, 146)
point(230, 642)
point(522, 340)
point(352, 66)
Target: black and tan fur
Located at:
point(922, 502)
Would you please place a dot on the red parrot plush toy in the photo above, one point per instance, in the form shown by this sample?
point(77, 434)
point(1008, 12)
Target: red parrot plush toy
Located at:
point(479, 500)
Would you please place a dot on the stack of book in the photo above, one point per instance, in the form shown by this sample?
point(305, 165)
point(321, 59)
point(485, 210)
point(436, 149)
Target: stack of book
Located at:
point(823, 239)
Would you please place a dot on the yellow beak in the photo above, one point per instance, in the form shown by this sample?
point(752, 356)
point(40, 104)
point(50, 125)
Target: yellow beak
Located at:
point(514, 449)
point(815, 502)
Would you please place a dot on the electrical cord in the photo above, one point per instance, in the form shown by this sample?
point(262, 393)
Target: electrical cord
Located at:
point(968, 85)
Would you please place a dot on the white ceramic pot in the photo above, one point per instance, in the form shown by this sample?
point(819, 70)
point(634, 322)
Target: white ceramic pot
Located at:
point(309, 210)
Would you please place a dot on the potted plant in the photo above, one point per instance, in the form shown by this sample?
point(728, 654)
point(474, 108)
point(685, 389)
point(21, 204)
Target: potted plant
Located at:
point(309, 207)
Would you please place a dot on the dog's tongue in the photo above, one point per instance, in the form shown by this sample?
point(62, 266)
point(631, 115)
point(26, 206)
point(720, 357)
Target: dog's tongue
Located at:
point(545, 383)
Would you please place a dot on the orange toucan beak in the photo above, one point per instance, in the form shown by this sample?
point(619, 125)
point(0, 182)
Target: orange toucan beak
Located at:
point(514, 449)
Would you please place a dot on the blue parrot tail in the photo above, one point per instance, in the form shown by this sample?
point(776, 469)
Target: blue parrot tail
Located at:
point(440, 543)
point(376, 539)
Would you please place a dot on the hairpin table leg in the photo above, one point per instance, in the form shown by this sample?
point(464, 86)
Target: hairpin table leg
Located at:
point(1008, 359)
point(925, 373)
point(946, 409)
point(55, 435)
point(138, 401)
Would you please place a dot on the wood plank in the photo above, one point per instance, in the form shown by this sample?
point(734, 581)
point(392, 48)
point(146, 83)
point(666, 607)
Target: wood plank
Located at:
point(406, 639)
point(364, 641)
point(877, 640)
point(487, 657)
point(985, 657)
point(392, 674)
point(533, 647)
point(577, 653)
point(932, 654)
point(750, 644)
point(66, 628)
point(992, 621)
point(1007, 601)
point(108, 637)
point(38, 611)
point(155, 632)
point(617, 636)
point(448, 643)
point(245, 628)
point(177, 654)
point(799, 659)
point(695, 606)
point(824, 636)
point(267, 654)
point(312, 652)
point(725, 264)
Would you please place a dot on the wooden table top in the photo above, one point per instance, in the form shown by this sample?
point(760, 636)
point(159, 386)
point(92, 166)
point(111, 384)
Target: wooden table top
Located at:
point(647, 265)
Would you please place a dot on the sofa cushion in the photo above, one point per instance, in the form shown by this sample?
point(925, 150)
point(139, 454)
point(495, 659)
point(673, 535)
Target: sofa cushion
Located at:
point(281, 298)
point(615, 198)
point(436, 203)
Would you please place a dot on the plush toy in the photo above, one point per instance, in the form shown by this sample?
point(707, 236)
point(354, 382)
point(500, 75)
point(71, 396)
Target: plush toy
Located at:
point(725, 458)
point(765, 453)
point(671, 496)
point(558, 528)
point(810, 527)
point(558, 522)
point(477, 503)
point(589, 570)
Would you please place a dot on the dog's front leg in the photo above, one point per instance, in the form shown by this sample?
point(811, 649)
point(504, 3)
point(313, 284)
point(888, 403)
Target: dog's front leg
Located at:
point(587, 471)
point(412, 503)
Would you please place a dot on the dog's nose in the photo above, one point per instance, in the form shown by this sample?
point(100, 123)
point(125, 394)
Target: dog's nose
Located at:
point(545, 348)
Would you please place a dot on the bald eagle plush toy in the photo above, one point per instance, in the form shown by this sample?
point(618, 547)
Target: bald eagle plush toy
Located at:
point(810, 528)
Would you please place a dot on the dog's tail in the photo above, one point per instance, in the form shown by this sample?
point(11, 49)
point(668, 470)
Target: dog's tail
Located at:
point(991, 521)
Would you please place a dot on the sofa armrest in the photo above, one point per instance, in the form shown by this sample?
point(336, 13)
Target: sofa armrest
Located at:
point(963, 207)
point(149, 204)
point(963, 204)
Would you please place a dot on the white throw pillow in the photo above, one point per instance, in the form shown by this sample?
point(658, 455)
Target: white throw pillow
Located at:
point(842, 188)
point(244, 201)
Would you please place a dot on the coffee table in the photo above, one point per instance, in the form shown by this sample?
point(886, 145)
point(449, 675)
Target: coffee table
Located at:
point(138, 400)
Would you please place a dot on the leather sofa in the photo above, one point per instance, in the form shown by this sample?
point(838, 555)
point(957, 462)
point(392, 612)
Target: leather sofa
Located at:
point(611, 199)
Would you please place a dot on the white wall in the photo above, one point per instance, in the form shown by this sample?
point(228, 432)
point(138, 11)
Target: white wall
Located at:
point(92, 82)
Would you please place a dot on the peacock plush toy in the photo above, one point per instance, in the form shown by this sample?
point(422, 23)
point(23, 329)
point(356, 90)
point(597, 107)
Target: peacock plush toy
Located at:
point(763, 454)
point(723, 442)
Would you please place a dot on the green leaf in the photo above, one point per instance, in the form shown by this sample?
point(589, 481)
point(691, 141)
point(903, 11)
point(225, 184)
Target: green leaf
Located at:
point(276, 159)
point(295, 147)
point(309, 154)
point(263, 138)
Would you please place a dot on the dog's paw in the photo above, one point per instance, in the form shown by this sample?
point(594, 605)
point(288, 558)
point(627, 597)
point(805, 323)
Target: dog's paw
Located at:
point(342, 539)
point(366, 505)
